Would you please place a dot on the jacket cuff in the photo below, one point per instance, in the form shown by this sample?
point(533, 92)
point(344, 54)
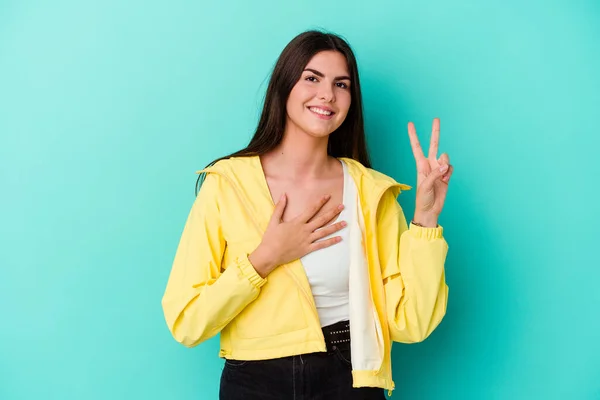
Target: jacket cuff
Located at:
point(419, 232)
point(247, 271)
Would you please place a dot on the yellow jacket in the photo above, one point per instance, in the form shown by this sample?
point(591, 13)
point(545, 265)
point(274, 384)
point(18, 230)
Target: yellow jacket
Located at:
point(401, 295)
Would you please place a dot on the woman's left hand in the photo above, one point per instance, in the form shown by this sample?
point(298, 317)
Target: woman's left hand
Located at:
point(433, 175)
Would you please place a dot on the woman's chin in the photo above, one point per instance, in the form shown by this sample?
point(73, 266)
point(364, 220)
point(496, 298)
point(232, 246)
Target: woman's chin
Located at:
point(320, 132)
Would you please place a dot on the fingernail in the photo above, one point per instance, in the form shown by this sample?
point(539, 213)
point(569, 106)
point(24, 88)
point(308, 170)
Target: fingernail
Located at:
point(443, 168)
point(344, 223)
point(341, 207)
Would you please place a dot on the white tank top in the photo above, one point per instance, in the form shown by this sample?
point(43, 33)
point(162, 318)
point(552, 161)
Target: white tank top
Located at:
point(328, 269)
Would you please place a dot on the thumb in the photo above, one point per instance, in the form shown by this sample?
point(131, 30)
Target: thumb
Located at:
point(279, 209)
point(436, 174)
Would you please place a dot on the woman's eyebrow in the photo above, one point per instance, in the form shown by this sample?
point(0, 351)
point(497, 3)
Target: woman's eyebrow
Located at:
point(320, 74)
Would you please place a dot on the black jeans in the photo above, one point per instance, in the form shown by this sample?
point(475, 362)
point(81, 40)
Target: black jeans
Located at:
point(315, 376)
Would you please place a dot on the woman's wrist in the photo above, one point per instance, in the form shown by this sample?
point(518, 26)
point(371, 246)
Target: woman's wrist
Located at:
point(261, 262)
point(425, 220)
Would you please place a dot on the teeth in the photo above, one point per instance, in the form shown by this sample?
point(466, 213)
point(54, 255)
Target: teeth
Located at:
point(319, 111)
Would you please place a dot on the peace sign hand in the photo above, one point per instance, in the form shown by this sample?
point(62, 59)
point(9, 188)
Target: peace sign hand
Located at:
point(433, 175)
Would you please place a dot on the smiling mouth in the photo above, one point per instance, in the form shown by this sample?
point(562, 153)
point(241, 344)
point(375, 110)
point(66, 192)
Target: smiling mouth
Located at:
point(320, 111)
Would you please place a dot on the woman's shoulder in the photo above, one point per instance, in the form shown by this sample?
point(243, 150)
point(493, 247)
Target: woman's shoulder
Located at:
point(371, 173)
point(230, 164)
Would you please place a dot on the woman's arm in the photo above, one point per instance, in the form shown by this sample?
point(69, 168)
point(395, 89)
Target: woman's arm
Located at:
point(200, 298)
point(412, 265)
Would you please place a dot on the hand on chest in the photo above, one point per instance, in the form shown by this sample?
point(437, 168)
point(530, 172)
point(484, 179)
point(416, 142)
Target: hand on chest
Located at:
point(303, 195)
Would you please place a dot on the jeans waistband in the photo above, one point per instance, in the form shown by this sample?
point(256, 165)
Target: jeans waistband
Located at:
point(337, 335)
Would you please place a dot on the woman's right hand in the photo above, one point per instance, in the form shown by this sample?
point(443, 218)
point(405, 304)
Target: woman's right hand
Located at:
point(287, 241)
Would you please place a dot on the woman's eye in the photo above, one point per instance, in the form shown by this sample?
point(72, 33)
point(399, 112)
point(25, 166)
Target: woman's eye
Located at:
point(311, 79)
point(342, 85)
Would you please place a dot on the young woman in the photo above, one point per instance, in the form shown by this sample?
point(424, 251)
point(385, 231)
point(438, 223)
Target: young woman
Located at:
point(299, 254)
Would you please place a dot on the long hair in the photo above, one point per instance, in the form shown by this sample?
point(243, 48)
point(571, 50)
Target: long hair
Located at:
point(346, 141)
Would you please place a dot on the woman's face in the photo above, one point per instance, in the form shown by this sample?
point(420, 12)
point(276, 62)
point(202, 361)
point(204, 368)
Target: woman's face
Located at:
point(320, 100)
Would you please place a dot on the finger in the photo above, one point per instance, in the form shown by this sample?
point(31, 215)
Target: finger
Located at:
point(448, 175)
point(326, 218)
point(435, 174)
point(321, 233)
point(441, 198)
point(314, 209)
point(414, 142)
point(444, 159)
point(324, 243)
point(435, 139)
point(279, 209)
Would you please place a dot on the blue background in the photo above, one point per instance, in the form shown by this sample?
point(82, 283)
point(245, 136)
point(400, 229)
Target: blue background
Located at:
point(107, 108)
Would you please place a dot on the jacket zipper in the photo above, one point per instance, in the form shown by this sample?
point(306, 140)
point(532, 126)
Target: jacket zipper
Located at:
point(373, 223)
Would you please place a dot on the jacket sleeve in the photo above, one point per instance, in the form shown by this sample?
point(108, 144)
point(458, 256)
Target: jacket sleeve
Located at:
point(412, 265)
point(202, 296)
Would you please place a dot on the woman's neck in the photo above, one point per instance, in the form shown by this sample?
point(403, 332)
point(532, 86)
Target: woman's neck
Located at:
point(299, 157)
